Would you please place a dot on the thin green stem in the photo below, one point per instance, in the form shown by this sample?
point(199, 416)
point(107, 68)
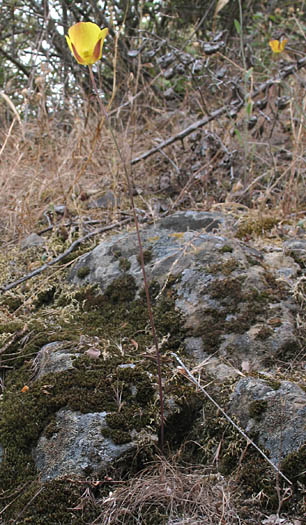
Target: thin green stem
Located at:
point(146, 287)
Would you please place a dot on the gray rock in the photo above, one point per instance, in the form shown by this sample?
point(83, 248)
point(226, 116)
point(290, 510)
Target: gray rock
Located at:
point(108, 200)
point(284, 265)
point(238, 315)
point(226, 292)
point(166, 241)
point(193, 221)
point(77, 447)
point(296, 248)
point(32, 240)
point(194, 347)
point(276, 414)
point(53, 357)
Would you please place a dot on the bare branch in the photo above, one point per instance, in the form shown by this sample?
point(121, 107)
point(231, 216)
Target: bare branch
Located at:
point(231, 110)
point(60, 257)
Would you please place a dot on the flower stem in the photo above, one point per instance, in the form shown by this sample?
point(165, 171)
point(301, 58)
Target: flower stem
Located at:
point(146, 287)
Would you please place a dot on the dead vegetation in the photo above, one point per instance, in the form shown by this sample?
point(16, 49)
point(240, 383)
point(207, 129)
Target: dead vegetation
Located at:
point(166, 493)
point(248, 162)
point(250, 158)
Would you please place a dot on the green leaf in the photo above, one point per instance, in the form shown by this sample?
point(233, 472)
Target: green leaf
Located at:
point(239, 137)
point(237, 26)
point(249, 73)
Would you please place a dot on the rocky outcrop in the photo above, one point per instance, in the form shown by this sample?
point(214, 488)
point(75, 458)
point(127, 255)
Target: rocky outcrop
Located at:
point(77, 447)
point(235, 299)
point(237, 328)
point(274, 412)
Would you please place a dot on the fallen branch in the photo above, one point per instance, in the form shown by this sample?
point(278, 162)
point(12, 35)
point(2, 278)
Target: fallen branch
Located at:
point(182, 134)
point(231, 110)
point(60, 257)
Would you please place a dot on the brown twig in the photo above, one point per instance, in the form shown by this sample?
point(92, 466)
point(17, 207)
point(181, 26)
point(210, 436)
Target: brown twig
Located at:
point(141, 257)
point(231, 110)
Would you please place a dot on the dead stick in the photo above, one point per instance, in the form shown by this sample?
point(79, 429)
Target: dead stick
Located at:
point(71, 248)
point(182, 134)
point(231, 110)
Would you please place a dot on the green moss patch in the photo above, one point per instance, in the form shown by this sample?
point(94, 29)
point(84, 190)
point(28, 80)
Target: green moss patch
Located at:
point(118, 324)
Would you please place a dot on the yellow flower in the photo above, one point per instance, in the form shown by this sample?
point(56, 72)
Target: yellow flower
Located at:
point(278, 46)
point(85, 41)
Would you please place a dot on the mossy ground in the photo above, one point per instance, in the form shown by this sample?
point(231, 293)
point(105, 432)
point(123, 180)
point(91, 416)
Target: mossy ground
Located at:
point(118, 323)
point(49, 310)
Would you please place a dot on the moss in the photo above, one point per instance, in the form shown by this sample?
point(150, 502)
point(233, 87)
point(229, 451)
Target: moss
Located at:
point(211, 329)
point(147, 256)
point(121, 290)
point(229, 265)
point(116, 318)
point(144, 393)
point(255, 475)
point(264, 333)
point(179, 424)
point(118, 436)
point(211, 432)
point(44, 296)
point(124, 264)
point(10, 301)
point(288, 351)
point(257, 408)
point(226, 249)
point(91, 385)
point(257, 226)
point(116, 253)
point(272, 383)
point(51, 428)
point(16, 467)
point(66, 503)
point(172, 279)
point(298, 257)
point(83, 272)
point(228, 290)
point(293, 466)
point(154, 289)
point(122, 423)
point(20, 353)
point(11, 327)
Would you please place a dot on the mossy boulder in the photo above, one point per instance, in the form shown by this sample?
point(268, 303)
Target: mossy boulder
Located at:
point(275, 413)
point(81, 399)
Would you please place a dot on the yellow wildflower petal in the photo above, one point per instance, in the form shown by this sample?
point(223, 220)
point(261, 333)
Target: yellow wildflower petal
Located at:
point(85, 41)
point(278, 46)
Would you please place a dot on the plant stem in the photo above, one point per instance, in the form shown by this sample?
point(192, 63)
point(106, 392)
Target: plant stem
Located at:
point(146, 287)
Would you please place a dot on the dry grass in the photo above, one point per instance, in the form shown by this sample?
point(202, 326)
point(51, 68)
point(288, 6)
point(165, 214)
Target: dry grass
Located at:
point(165, 493)
point(258, 176)
point(47, 161)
